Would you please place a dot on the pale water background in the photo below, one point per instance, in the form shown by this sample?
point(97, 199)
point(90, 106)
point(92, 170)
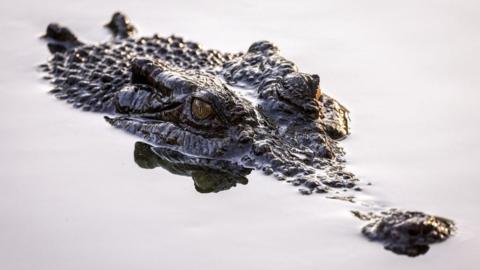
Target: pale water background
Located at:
point(71, 196)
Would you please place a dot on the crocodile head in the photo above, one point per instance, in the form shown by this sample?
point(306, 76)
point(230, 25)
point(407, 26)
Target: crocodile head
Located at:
point(254, 109)
point(198, 114)
point(191, 112)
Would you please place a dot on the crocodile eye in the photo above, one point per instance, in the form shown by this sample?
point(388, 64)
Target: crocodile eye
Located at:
point(201, 109)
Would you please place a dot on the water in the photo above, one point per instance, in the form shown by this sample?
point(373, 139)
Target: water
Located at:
point(71, 196)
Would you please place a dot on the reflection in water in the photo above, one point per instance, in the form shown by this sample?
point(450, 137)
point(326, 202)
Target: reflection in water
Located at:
point(403, 232)
point(208, 175)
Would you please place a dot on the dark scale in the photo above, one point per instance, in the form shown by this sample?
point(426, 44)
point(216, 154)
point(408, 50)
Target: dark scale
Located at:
point(190, 103)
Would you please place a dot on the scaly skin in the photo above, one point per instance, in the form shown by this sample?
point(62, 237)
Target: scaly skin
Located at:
point(149, 86)
point(214, 116)
point(406, 232)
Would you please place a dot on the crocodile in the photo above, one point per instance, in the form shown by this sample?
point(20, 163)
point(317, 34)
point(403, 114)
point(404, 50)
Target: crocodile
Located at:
point(215, 116)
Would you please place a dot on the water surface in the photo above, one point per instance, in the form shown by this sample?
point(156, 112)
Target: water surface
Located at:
point(71, 196)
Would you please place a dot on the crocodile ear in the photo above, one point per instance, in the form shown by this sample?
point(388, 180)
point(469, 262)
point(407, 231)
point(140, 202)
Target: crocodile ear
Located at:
point(141, 70)
point(144, 71)
point(133, 99)
point(161, 77)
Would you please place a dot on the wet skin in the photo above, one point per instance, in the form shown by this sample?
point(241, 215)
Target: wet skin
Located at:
point(216, 116)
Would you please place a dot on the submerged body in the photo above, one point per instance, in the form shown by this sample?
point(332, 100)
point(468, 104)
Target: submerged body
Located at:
point(229, 112)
